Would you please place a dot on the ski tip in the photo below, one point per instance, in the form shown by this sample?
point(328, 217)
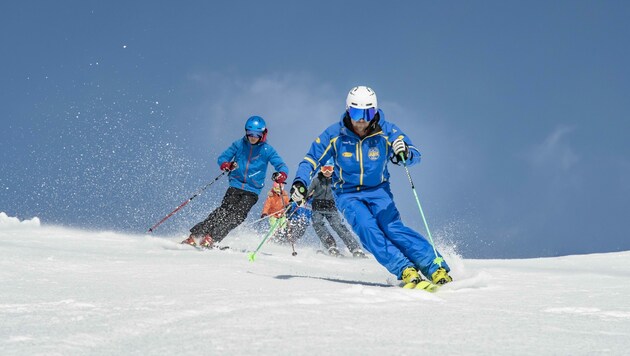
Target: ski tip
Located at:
point(423, 285)
point(428, 286)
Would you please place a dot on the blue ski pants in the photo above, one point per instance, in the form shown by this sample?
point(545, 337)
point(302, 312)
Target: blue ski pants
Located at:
point(375, 219)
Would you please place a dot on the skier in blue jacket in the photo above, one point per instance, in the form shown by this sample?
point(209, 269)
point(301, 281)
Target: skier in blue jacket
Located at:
point(246, 161)
point(361, 145)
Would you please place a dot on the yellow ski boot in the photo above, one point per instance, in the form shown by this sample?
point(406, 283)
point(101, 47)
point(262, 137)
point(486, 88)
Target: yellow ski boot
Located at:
point(441, 276)
point(411, 278)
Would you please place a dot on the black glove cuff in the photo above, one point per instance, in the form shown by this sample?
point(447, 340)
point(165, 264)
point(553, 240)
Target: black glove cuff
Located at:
point(397, 160)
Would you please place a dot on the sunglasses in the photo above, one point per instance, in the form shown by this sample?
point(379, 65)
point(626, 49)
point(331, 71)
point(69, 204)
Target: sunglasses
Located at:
point(365, 114)
point(327, 169)
point(256, 134)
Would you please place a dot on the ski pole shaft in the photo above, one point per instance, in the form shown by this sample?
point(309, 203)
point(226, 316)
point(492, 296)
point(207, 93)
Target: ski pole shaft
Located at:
point(265, 217)
point(438, 260)
point(252, 255)
point(199, 192)
point(290, 237)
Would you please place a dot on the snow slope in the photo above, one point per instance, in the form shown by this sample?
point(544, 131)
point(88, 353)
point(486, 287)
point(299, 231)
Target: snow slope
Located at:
point(72, 292)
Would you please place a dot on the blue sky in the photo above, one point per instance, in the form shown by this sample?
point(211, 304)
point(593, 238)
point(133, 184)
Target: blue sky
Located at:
point(113, 113)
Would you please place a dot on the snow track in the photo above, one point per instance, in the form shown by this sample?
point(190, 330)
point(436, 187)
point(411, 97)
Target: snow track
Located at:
point(77, 292)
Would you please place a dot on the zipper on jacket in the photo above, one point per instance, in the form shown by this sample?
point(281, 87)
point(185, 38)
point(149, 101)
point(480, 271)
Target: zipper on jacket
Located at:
point(247, 166)
point(360, 145)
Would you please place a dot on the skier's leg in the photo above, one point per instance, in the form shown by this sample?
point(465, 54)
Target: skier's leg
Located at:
point(344, 234)
point(320, 229)
point(272, 221)
point(205, 227)
point(296, 228)
point(282, 225)
point(411, 243)
point(238, 206)
point(355, 209)
point(280, 235)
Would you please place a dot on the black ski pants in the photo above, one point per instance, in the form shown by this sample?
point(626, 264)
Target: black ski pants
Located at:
point(234, 208)
point(335, 222)
point(296, 228)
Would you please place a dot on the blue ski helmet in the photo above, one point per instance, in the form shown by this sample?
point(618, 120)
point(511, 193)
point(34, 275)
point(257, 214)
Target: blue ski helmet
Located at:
point(255, 123)
point(256, 126)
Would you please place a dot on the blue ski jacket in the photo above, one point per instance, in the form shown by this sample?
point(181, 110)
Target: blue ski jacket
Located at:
point(252, 163)
point(360, 163)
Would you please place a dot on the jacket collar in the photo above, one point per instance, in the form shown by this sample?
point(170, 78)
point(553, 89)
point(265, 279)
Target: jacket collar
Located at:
point(246, 141)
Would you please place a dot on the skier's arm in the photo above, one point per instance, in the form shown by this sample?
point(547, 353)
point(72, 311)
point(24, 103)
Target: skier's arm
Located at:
point(321, 149)
point(277, 162)
point(285, 199)
point(395, 133)
point(229, 154)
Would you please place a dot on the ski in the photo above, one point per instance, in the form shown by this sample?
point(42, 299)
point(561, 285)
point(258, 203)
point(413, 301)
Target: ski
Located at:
point(423, 285)
point(199, 248)
point(337, 255)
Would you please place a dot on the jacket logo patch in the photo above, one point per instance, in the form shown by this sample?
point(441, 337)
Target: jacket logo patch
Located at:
point(347, 154)
point(374, 153)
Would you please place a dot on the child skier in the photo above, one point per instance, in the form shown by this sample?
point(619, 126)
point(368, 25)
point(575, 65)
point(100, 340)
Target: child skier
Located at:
point(246, 161)
point(360, 145)
point(324, 208)
point(298, 219)
point(275, 205)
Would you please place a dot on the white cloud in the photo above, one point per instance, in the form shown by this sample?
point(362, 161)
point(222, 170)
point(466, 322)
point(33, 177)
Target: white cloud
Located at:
point(295, 106)
point(555, 152)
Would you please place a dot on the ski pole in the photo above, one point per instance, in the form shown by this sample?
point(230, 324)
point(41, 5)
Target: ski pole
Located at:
point(438, 260)
point(294, 253)
point(264, 217)
point(199, 192)
point(252, 255)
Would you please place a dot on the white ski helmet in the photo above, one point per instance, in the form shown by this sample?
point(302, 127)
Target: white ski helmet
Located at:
point(361, 97)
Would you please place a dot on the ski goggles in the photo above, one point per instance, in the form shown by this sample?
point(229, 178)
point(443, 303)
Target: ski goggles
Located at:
point(327, 169)
point(250, 133)
point(365, 114)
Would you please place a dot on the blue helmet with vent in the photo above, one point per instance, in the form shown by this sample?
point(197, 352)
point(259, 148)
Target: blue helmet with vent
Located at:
point(255, 123)
point(256, 127)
